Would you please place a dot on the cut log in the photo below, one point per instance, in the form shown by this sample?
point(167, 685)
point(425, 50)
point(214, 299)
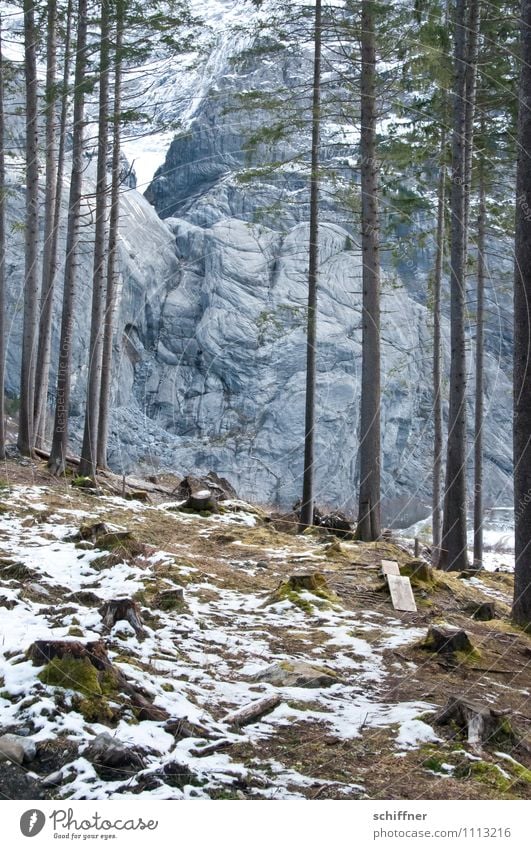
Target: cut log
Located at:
point(251, 713)
point(447, 642)
point(401, 593)
point(123, 610)
point(482, 723)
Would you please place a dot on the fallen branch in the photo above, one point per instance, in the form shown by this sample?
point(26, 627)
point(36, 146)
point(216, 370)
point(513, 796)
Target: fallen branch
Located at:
point(250, 713)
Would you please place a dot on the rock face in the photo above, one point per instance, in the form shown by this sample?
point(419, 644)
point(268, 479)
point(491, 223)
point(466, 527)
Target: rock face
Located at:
point(210, 329)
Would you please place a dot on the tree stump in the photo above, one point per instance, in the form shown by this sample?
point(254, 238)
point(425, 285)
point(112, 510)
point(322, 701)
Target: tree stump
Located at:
point(42, 652)
point(87, 669)
point(313, 582)
point(447, 642)
point(482, 723)
point(485, 611)
point(203, 494)
point(169, 599)
point(120, 610)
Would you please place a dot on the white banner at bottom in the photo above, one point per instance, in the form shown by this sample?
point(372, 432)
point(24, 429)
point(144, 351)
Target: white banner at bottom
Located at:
point(312, 825)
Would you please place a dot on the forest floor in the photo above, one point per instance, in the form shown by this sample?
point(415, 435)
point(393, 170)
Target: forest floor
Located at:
point(357, 691)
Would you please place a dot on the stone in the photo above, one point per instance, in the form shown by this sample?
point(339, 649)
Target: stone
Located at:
point(401, 593)
point(10, 749)
point(112, 759)
point(297, 674)
point(28, 746)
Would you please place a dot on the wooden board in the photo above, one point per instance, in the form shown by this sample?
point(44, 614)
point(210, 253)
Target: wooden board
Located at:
point(390, 567)
point(401, 593)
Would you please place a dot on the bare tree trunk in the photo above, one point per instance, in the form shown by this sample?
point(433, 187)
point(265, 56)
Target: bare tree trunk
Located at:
point(112, 260)
point(2, 254)
point(53, 208)
point(57, 460)
point(472, 42)
point(480, 341)
point(369, 451)
point(87, 465)
point(306, 517)
point(454, 540)
point(26, 434)
point(522, 337)
point(437, 358)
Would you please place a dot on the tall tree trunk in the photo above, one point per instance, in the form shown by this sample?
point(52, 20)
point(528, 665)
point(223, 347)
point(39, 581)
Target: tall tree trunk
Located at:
point(31, 284)
point(112, 260)
point(480, 341)
point(87, 464)
point(454, 540)
point(369, 451)
point(522, 338)
point(437, 358)
point(54, 195)
point(2, 254)
point(306, 517)
point(472, 44)
point(56, 462)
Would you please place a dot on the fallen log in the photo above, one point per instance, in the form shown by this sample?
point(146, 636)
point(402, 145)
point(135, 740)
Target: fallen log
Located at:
point(253, 712)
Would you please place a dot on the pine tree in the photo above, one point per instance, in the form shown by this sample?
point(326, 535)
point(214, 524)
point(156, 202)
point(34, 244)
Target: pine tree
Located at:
point(56, 138)
point(522, 337)
point(307, 507)
point(2, 252)
point(88, 459)
point(368, 528)
point(112, 262)
point(57, 460)
point(31, 285)
point(454, 540)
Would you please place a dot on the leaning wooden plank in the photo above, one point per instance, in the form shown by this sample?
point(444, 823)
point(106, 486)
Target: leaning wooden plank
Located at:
point(254, 711)
point(401, 593)
point(390, 567)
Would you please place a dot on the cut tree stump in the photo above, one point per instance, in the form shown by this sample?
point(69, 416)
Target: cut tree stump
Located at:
point(123, 610)
point(71, 675)
point(253, 712)
point(482, 723)
point(220, 489)
point(170, 599)
point(485, 611)
point(42, 652)
point(447, 642)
